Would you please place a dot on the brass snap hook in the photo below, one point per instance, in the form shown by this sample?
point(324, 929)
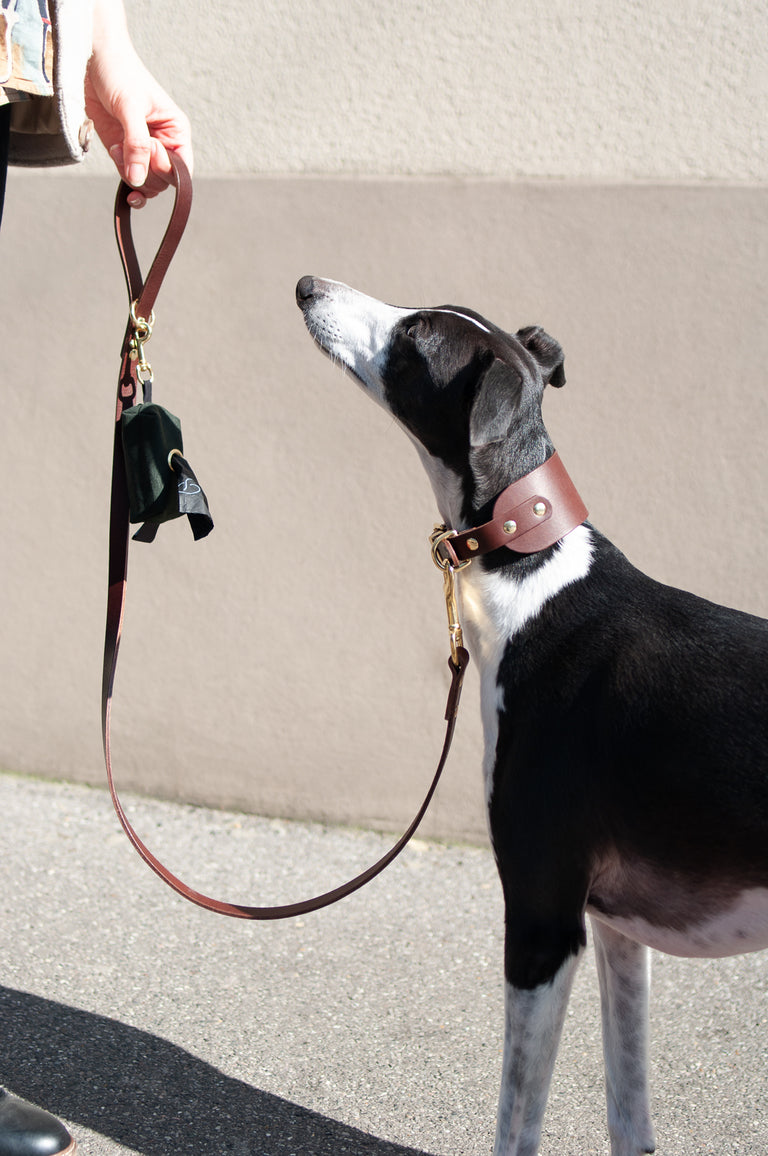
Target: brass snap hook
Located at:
point(142, 331)
point(449, 568)
point(452, 608)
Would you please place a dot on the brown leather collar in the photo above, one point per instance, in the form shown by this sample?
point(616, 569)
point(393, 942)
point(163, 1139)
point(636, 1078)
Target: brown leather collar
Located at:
point(533, 513)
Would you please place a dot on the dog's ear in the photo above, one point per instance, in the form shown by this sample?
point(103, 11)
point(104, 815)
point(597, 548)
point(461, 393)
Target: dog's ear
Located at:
point(493, 409)
point(547, 352)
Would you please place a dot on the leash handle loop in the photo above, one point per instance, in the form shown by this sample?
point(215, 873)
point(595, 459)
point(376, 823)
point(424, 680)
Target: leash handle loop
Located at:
point(142, 295)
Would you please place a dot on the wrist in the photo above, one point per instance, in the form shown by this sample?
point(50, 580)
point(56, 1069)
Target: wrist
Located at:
point(110, 28)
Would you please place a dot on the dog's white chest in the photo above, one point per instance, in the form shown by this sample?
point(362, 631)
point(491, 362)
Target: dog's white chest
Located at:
point(495, 609)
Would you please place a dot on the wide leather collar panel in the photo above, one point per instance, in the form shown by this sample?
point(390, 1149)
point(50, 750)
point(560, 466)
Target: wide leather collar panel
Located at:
point(533, 513)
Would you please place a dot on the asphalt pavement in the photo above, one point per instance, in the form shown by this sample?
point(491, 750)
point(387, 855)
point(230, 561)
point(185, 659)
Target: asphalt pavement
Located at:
point(371, 1028)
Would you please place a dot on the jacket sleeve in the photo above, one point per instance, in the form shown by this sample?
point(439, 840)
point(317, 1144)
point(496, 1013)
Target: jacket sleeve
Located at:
point(54, 130)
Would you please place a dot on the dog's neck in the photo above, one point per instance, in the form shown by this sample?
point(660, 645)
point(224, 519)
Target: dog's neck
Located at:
point(504, 589)
point(529, 516)
point(496, 606)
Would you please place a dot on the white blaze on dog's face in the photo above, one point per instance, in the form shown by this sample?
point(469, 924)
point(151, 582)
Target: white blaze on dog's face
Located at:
point(351, 328)
point(459, 385)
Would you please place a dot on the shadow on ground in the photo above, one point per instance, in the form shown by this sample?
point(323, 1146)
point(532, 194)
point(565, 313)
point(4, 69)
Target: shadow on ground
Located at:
point(152, 1096)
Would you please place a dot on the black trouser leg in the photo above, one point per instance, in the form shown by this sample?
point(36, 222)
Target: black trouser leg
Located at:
point(5, 133)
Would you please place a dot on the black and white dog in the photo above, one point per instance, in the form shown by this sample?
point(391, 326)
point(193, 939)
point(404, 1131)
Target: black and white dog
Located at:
point(626, 733)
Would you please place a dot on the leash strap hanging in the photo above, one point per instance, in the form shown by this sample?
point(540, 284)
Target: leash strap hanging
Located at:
point(142, 295)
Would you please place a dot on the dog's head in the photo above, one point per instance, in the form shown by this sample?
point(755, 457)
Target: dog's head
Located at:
point(468, 393)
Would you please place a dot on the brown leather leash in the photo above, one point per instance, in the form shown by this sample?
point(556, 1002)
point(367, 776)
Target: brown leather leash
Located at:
point(133, 370)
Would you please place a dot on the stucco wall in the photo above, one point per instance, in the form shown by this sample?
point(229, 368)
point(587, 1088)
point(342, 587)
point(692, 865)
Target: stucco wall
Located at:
point(598, 169)
point(586, 89)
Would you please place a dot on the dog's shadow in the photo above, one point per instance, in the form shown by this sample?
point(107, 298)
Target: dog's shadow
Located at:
point(151, 1095)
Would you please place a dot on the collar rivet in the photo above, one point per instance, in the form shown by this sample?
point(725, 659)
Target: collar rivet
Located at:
point(539, 509)
point(472, 544)
point(509, 527)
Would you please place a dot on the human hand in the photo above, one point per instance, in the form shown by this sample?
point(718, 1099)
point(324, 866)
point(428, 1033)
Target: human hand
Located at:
point(136, 120)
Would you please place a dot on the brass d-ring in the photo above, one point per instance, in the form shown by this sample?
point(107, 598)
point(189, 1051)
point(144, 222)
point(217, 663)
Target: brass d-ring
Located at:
point(439, 535)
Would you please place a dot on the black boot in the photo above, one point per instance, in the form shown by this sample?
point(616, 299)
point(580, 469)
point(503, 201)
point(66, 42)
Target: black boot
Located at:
point(29, 1131)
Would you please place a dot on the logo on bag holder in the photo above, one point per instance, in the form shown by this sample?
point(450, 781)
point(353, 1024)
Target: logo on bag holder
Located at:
point(187, 486)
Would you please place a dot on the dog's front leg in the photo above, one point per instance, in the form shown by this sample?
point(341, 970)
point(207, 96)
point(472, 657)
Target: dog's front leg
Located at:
point(532, 1027)
point(624, 973)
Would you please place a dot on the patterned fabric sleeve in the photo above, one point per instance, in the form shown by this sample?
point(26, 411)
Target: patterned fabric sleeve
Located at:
point(26, 50)
point(44, 50)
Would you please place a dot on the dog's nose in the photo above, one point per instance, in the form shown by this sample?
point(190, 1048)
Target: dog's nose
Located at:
point(305, 289)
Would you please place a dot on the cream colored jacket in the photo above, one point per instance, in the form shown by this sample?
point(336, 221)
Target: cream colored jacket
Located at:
point(54, 130)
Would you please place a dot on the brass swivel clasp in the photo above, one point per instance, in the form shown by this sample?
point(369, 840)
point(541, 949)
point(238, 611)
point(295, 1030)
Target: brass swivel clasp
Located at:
point(449, 567)
point(142, 331)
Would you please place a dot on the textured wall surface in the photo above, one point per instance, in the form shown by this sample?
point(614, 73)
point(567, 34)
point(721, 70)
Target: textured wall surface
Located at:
point(596, 168)
point(645, 89)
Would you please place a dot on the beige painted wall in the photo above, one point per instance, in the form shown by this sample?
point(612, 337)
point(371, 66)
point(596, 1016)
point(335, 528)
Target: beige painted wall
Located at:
point(285, 665)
